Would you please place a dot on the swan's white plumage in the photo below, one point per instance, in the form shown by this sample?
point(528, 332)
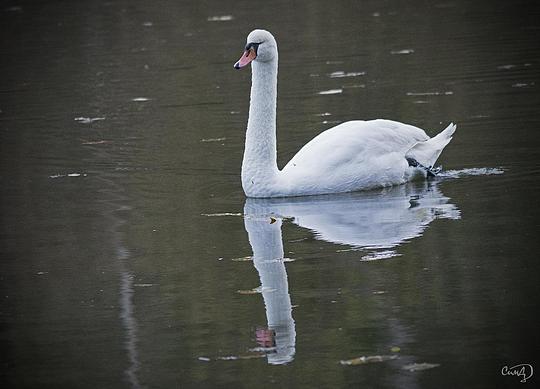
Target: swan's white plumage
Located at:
point(352, 156)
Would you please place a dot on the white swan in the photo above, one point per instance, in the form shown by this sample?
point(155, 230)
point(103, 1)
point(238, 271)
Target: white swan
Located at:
point(352, 156)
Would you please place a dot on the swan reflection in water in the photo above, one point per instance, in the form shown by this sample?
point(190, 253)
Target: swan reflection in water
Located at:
point(265, 239)
point(371, 221)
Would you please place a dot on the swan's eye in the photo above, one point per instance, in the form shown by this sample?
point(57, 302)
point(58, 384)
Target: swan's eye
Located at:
point(253, 46)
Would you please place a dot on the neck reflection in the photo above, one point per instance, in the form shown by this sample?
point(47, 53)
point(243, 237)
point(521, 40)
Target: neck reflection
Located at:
point(279, 337)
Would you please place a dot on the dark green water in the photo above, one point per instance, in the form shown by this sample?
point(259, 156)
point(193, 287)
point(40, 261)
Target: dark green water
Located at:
point(130, 256)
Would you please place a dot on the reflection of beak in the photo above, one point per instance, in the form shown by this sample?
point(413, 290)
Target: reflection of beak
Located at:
point(266, 337)
point(246, 58)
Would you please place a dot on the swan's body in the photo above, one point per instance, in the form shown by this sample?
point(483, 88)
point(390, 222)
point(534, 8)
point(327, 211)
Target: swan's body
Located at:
point(352, 156)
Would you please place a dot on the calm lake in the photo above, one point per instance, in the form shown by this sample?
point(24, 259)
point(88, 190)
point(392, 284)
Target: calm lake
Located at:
point(130, 257)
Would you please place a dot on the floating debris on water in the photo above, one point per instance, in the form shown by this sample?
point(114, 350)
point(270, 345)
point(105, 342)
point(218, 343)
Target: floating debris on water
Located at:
point(331, 92)
point(522, 84)
point(221, 214)
point(68, 175)
point(96, 142)
point(221, 18)
point(420, 366)
point(257, 290)
point(341, 74)
point(85, 120)
point(395, 349)
point(506, 67)
point(380, 255)
point(401, 52)
point(249, 291)
point(368, 359)
point(213, 139)
point(446, 93)
point(242, 259)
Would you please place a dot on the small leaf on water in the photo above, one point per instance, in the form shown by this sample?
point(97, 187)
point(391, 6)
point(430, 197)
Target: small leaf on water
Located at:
point(213, 139)
point(369, 359)
point(85, 120)
point(420, 366)
point(249, 291)
point(395, 349)
point(96, 142)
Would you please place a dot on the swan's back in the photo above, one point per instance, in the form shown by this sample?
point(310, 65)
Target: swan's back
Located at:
point(354, 154)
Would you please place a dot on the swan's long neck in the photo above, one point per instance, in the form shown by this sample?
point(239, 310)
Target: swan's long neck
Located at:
point(260, 155)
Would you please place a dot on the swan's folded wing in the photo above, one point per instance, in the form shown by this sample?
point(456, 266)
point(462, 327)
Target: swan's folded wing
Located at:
point(356, 142)
point(352, 155)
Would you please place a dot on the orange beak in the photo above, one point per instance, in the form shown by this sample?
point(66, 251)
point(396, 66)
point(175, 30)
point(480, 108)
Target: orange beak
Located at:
point(246, 58)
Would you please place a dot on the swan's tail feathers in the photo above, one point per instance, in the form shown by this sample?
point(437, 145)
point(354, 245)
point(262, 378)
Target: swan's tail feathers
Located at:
point(426, 153)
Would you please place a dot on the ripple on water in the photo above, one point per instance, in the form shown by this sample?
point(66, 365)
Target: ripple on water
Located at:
point(476, 171)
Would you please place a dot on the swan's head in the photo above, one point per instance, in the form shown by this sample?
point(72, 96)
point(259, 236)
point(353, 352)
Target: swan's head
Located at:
point(260, 46)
